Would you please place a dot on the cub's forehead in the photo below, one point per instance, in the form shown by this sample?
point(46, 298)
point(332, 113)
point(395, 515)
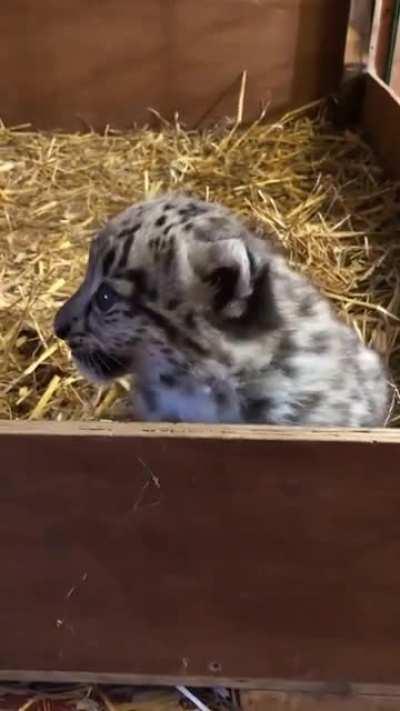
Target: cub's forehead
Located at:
point(155, 231)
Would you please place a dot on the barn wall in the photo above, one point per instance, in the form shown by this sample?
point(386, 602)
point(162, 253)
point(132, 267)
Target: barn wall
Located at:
point(73, 63)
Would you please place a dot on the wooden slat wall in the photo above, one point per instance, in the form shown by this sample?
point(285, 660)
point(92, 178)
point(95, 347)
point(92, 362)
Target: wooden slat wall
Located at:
point(231, 555)
point(74, 63)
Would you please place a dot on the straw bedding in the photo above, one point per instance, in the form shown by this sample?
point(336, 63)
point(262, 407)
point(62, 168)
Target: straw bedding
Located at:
point(321, 193)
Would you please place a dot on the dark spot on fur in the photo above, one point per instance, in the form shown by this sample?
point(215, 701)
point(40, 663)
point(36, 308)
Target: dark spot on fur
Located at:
point(286, 348)
point(260, 312)
point(171, 331)
point(188, 226)
point(161, 221)
point(256, 409)
point(194, 346)
point(252, 262)
point(306, 306)
point(152, 294)
point(86, 314)
point(240, 374)
point(162, 322)
point(172, 361)
point(166, 350)
point(221, 398)
point(310, 400)
point(108, 261)
point(125, 251)
point(287, 368)
point(169, 254)
point(191, 210)
point(190, 320)
point(168, 379)
point(129, 231)
point(155, 244)
point(167, 229)
point(168, 206)
point(319, 343)
point(172, 304)
point(293, 418)
point(138, 277)
point(223, 282)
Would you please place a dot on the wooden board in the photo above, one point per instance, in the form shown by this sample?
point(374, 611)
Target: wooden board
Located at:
point(395, 73)
point(281, 701)
point(71, 64)
point(381, 121)
point(380, 37)
point(232, 555)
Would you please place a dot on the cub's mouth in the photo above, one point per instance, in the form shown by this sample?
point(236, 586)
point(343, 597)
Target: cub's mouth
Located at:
point(98, 366)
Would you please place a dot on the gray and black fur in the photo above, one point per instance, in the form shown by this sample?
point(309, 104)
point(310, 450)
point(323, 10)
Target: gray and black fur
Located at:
point(215, 326)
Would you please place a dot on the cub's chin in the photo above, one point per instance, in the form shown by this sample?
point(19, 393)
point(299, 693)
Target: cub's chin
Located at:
point(99, 367)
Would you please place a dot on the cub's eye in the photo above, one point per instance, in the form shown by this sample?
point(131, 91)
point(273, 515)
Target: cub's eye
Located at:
point(105, 297)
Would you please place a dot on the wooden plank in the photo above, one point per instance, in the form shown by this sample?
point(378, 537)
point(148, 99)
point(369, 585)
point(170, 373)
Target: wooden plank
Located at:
point(246, 555)
point(359, 33)
point(196, 431)
point(395, 73)
point(380, 37)
point(381, 121)
point(78, 63)
point(281, 701)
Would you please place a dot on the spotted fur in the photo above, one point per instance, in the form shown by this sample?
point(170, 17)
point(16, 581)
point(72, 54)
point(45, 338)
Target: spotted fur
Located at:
point(214, 325)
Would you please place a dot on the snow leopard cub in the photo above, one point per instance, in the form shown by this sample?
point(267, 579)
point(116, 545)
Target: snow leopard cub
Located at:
point(214, 325)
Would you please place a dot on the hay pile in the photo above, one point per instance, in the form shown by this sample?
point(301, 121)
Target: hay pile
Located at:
point(79, 697)
point(321, 193)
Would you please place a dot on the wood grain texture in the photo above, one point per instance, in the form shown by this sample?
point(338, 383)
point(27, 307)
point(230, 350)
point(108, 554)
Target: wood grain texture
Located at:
point(381, 121)
point(169, 557)
point(78, 63)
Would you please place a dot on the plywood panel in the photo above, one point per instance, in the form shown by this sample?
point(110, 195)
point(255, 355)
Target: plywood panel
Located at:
point(381, 121)
point(199, 553)
point(75, 63)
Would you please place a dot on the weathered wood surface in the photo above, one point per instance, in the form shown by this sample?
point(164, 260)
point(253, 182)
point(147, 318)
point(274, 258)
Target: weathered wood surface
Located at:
point(381, 121)
point(72, 64)
point(199, 554)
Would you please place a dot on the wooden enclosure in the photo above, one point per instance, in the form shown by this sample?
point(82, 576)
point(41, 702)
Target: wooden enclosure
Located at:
point(253, 557)
point(237, 555)
point(74, 64)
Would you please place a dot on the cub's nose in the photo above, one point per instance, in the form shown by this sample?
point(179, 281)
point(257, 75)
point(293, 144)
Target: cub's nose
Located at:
point(62, 323)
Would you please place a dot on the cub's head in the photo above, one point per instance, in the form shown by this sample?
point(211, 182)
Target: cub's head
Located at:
point(164, 281)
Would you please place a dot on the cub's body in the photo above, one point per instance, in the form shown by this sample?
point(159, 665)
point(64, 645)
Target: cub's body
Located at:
point(215, 326)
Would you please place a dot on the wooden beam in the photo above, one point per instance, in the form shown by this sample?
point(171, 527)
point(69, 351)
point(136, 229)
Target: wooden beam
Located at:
point(106, 429)
point(199, 554)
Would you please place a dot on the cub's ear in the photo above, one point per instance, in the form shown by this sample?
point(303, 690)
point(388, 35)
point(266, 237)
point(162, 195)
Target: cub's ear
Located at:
point(241, 296)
